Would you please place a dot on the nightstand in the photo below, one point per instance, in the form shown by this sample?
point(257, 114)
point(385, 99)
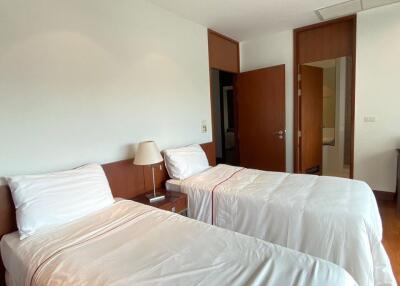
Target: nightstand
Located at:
point(174, 201)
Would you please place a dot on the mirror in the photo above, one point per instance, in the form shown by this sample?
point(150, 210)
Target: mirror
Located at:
point(326, 104)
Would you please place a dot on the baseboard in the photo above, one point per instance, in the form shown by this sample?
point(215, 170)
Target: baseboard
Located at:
point(384, 196)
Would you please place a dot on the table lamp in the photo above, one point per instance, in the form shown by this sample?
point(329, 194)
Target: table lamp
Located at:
point(147, 155)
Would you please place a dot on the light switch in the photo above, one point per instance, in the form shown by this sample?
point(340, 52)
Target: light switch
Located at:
point(204, 126)
point(369, 119)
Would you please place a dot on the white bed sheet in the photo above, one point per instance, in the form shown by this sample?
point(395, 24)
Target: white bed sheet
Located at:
point(173, 185)
point(332, 218)
point(134, 244)
point(14, 260)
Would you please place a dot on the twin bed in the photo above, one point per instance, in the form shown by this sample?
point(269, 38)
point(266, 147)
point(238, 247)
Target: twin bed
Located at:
point(332, 218)
point(133, 244)
point(127, 243)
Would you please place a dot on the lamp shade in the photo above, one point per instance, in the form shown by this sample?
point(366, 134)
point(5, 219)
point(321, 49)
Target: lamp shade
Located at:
point(147, 154)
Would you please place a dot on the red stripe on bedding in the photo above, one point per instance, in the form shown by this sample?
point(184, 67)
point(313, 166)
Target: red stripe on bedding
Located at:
point(41, 265)
point(216, 186)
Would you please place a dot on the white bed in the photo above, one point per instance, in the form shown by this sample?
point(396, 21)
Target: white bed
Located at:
point(133, 244)
point(332, 218)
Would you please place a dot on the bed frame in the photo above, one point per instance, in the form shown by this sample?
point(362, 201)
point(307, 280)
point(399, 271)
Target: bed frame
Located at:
point(126, 181)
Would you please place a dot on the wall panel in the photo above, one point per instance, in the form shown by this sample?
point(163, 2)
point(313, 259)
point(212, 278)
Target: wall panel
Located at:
point(223, 53)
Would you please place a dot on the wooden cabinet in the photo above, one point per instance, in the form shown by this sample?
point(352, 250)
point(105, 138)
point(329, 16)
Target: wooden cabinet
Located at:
point(223, 52)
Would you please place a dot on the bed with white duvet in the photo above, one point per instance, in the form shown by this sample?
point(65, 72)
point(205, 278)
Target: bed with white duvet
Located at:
point(133, 244)
point(72, 232)
point(332, 218)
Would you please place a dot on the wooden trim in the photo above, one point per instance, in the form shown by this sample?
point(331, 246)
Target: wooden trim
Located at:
point(212, 107)
point(296, 142)
point(296, 122)
point(384, 196)
point(325, 23)
point(353, 97)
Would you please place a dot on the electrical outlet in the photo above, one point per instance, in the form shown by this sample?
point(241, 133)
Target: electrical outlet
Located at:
point(369, 119)
point(204, 126)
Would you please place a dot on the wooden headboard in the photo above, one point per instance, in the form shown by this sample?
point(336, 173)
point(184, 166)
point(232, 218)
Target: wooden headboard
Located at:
point(126, 181)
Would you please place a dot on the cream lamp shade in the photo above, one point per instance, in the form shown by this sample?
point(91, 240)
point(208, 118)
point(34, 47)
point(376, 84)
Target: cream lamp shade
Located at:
point(147, 154)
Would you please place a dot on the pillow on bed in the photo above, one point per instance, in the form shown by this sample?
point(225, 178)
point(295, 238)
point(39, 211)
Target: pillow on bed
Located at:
point(181, 163)
point(58, 198)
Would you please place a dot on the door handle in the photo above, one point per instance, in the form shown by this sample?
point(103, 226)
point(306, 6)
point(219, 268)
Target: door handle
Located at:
point(280, 133)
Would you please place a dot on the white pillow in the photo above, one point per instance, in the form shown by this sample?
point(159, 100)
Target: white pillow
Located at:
point(58, 198)
point(184, 162)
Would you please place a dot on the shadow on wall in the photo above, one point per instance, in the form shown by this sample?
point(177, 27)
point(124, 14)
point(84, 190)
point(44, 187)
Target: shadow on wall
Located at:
point(129, 151)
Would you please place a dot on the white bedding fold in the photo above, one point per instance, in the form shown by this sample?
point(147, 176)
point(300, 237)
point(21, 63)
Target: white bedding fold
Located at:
point(133, 244)
point(332, 218)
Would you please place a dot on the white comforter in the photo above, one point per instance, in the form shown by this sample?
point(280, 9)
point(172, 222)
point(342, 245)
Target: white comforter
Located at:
point(332, 218)
point(133, 244)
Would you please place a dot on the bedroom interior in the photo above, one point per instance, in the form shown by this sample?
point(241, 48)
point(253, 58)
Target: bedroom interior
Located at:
point(277, 127)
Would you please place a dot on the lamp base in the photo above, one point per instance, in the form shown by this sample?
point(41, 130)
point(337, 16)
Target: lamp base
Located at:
point(158, 197)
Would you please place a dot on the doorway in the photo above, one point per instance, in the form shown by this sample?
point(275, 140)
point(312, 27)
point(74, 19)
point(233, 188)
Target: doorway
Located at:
point(328, 40)
point(248, 109)
point(249, 118)
point(225, 116)
point(325, 114)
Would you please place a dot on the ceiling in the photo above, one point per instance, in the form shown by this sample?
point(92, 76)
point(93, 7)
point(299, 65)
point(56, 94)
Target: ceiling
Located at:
point(350, 7)
point(246, 19)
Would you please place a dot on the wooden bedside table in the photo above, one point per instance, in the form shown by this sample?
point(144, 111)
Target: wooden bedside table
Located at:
point(174, 201)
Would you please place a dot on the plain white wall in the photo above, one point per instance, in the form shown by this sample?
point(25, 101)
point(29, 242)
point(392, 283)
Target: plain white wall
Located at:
point(270, 50)
point(82, 81)
point(378, 96)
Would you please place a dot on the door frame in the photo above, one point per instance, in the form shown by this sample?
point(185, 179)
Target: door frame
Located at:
point(296, 119)
point(218, 60)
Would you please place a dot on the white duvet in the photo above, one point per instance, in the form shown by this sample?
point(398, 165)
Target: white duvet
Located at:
point(133, 244)
point(332, 218)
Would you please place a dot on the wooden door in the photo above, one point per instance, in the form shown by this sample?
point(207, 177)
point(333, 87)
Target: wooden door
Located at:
point(261, 118)
point(311, 100)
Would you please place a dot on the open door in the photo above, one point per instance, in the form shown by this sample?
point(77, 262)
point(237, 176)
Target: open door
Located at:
point(261, 118)
point(311, 104)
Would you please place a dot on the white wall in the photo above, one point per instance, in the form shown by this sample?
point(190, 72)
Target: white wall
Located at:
point(378, 95)
point(271, 50)
point(81, 81)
